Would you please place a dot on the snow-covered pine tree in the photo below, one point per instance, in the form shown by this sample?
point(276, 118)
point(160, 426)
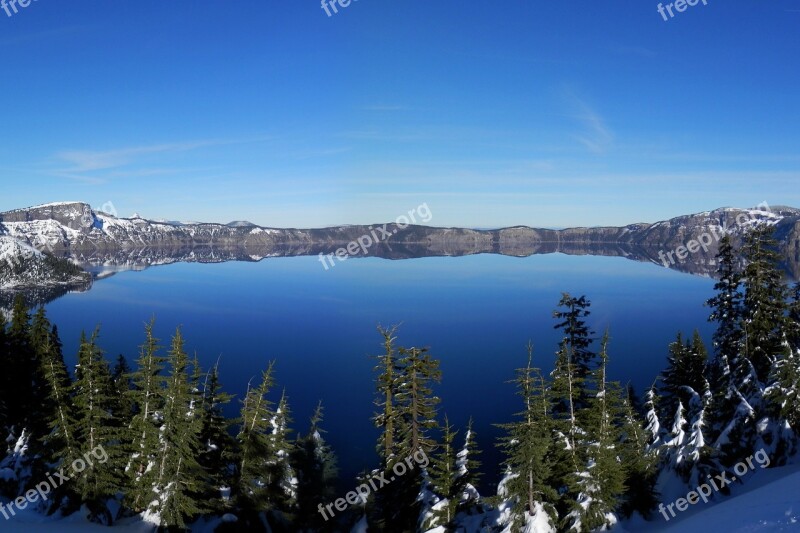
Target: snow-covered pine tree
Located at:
point(93, 407)
point(254, 448)
point(415, 405)
point(726, 306)
point(443, 473)
point(60, 443)
point(565, 456)
point(526, 492)
point(178, 477)
point(602, 479)
point(468, 473)
point(217, 445)
point(281, 482)
point(640, 465)
point(142, 438)
point(686, 364)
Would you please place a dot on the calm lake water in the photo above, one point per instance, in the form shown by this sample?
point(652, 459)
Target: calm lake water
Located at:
point(476, 314)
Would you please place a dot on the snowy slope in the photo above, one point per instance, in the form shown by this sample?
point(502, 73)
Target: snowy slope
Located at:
point(768, 501)
point(22, 266)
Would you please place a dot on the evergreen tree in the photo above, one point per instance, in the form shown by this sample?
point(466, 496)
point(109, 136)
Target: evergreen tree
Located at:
point(468, 472)
point(764, 306)
point(640, 466)
point(602, 482)
point(93, 407)
point(315, 464)
point(527, 447)
point(794, 318)
point(726, 305)
point(255, 448)
point(686, 364)
point(147, 398)
point(179, 475)
point(217, 445)
point(577, 338)
point(280, 479)
point(21, 369)
point(387, 390)
point(443, 473)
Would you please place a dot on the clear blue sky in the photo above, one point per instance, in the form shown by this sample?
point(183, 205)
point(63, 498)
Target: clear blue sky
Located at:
point(555, 113)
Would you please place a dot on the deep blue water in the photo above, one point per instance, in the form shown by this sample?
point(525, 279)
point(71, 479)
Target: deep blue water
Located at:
point(475, 313)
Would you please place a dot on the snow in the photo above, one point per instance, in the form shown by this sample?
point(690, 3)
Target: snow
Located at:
point(768, 501)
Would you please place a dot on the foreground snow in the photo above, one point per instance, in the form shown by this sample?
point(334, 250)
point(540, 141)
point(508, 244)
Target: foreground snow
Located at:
point(767, 501)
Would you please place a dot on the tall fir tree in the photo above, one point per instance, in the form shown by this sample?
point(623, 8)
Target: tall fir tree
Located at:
point(443, 473)
point(179, 475)
point(764, 306)
point(528, 444)
point(93, 406)
point(577, 339)
point(142, 441)
point(316, 467)
point(602, 481)
point(217, 444)
point(254, 445)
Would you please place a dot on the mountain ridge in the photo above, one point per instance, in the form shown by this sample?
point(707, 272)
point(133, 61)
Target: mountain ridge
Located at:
point(92, 238)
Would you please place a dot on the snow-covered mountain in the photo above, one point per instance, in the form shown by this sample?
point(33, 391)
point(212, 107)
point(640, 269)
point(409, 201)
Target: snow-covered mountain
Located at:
point(98, 240)
point(22, 266)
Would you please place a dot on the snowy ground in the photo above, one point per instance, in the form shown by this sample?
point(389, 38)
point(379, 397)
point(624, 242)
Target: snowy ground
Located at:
point(768, 501)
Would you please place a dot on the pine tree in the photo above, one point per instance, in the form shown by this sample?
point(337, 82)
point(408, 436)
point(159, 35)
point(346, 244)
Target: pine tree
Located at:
point(387, 390)
point(794, 318)
point(179, 475)
point(217, 445)
point(315, 464)
point(254, 446)
point(281, 482)
point(764, 318)
point(147, 397)
point(93, 406)
point(640, 465)
point(59, 444)
point(20, 370)
point(577, 338)
point(443, 473)
point(686, 365)
point(602, 482)
point(726, 305)
point(527, 447)
point(409, 415)
point(415, 405)
point(468, 472)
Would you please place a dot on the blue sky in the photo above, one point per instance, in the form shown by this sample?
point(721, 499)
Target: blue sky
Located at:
point(553, 114)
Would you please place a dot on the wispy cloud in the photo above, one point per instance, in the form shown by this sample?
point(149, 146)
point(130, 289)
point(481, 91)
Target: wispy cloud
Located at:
point(81, 164)
point(596, 136)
